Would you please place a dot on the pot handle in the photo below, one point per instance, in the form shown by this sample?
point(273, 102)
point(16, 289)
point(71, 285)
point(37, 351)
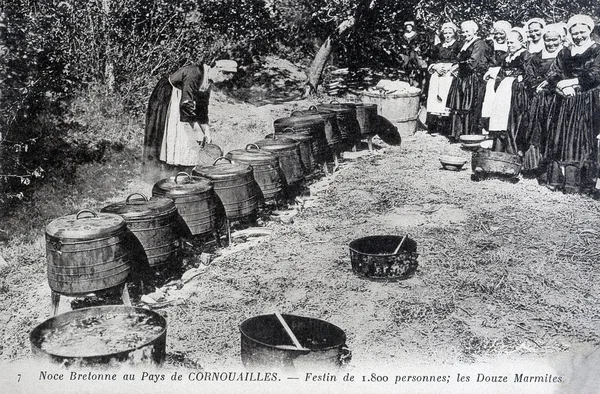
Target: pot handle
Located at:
point(253, 146)
point(345, 355)
point(334, 101)
point(313, 108)
point(86, 211)
point(135, 194)
point(221, 158)
point(297, 112)
point(183, 173)
point(289, 129)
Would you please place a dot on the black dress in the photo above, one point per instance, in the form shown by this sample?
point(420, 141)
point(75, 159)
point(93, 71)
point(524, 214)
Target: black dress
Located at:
point(571, 147)
point(536, 133)
point(468, 89)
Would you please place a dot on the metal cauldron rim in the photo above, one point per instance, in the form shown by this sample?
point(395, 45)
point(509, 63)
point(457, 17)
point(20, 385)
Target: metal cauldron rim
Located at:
point(35, 333)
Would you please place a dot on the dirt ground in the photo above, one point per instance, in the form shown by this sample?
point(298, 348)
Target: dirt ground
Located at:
point(505, 269)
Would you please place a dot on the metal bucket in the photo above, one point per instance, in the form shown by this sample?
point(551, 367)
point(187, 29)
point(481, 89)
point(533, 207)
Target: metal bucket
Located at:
point(235, 186)
point(376, 257)
point(288, 152)
point(155, 223)
point(267, 172)
point(265, 343)
point(87, 252)
point(196, 201)
point(149, 352)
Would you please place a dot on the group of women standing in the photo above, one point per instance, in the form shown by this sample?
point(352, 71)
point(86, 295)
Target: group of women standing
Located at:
point(534, 89)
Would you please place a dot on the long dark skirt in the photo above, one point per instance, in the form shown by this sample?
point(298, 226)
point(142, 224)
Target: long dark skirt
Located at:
point(537, 130)
point(512, 140)
point(156, 116)
point(465, 100)
point(572, 147)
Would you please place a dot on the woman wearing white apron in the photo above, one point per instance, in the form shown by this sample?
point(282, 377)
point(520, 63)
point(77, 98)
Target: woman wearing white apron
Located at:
point(177, 117)
point(498, 42)
point(511, 98)
point(442, 56)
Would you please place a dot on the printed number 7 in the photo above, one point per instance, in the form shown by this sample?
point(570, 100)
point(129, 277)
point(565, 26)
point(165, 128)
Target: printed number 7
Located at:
point(19, 375)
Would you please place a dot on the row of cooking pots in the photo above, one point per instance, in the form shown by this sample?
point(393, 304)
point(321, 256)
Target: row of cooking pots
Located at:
point(91, 251)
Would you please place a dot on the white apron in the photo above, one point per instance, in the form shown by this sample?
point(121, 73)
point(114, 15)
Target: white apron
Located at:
point(180, 144)
point(501, 105)
point(439, 85)
point(488, 100)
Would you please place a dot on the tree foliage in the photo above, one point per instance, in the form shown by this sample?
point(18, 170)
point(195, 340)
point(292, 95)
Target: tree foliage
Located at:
point(53, 50)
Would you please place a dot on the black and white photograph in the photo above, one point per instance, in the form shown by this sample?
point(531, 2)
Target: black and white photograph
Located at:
point(267, 196)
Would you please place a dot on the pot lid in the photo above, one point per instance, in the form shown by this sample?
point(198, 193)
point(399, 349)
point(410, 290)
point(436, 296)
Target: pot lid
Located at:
point(280, 143)
point(137, 206)
point(299, 136)
point(252, 154)
point(299, 119)
point(86, 224)
point(183, 184)
point(322, 111)
point(222, 168)
point(344, 108)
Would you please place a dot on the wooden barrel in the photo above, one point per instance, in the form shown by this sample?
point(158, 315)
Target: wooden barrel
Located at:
point(402, 109)
point(366, 114)
point(306, 147)
point(314, 125)
point(288, 152)
point(87, 252)
point(234, 184)
point(266, 170)
point(196, 201)
point(154, 223)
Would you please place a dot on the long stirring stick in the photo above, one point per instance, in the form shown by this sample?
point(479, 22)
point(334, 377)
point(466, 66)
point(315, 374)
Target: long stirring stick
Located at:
point(289, 331)
point(400, 244)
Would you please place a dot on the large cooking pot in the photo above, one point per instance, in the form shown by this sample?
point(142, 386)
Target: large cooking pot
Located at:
point(288, 152)
point(87, 252)
point(332, 128)
point(313, 124)
point(267, 172)
point(366, 114)
point(265, 343)
point(485, 162)
point(305, 144)
point(234, 184)
point(107, 336)
point(196, 201)
point(378, 256)
point(156, 225)
point(346, 114)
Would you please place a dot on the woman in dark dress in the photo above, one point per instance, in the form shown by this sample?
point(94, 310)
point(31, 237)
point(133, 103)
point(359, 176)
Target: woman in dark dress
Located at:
point(414, 48)
point(571, 147)
point(511, 98)
point(441, 56)
point(177, 116)
point(467, 90)
point(535, 73)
